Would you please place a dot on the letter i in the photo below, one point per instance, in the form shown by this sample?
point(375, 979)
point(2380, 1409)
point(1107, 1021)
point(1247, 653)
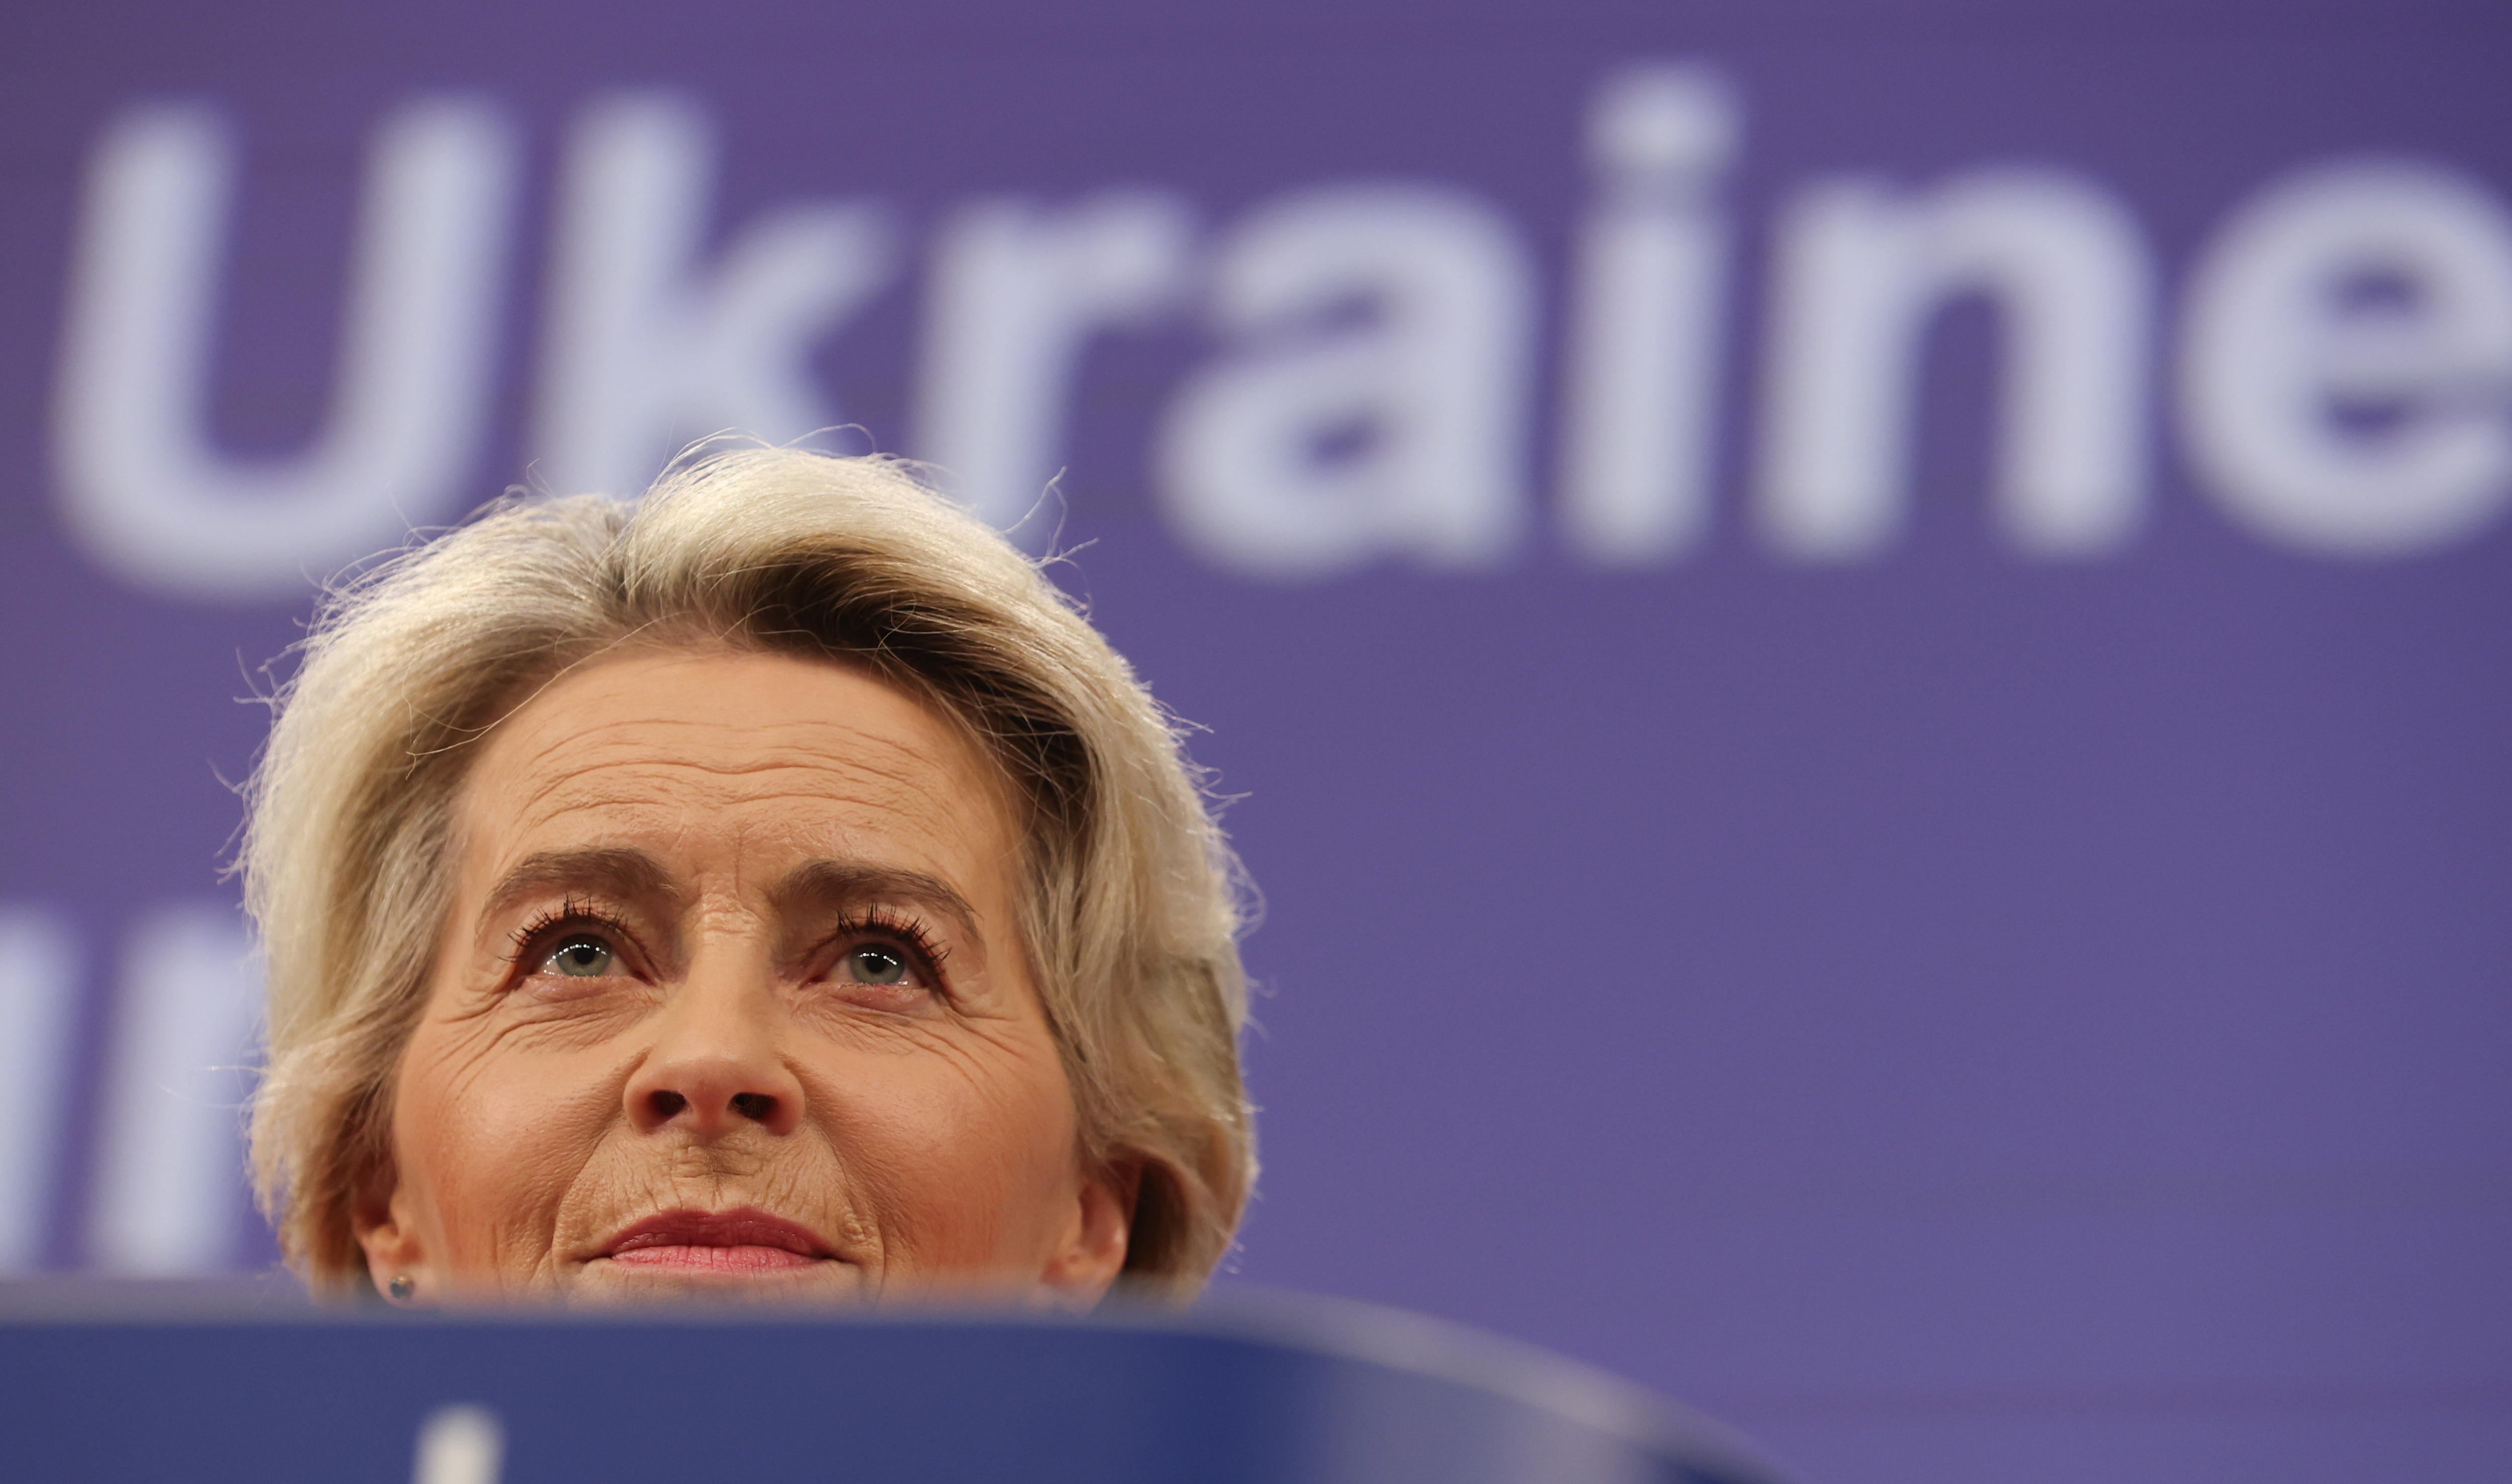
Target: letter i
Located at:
point(460, 1445)
point(1637, 424)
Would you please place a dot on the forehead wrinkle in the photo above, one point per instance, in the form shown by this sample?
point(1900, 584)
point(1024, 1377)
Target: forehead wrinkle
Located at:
point(635, 793)
point(911, 769)
point(809, 729)
point(624, 802)
point(653, 773)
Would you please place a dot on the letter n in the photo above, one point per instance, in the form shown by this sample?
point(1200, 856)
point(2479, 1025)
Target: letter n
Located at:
point(1859, 276)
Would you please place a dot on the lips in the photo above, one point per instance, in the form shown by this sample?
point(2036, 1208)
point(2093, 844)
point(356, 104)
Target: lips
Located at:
point(736, 1241)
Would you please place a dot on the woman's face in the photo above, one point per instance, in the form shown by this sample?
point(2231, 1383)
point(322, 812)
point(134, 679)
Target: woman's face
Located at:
point(732, 999)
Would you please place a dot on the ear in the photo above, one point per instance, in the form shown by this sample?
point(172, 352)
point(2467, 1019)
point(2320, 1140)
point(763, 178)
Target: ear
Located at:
point(381, 1218)
point(1084, 1265)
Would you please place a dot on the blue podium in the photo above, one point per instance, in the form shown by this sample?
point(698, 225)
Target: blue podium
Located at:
point(138, 1388)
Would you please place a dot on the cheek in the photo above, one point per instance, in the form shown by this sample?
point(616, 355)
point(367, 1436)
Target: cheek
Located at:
point(973, 1163)
point(488, 1143)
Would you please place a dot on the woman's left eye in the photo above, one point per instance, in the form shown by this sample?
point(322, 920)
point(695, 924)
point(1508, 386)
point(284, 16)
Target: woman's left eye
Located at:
point(872, 964)
point(580, 956)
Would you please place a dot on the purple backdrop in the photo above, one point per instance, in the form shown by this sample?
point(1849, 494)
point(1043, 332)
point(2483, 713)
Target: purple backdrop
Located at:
point(1866, 646)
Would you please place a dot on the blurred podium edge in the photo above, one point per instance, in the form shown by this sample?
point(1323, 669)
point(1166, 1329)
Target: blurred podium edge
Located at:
point(1388, 1341)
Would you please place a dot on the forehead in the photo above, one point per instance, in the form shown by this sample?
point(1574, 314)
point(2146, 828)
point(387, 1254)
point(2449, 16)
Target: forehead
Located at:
point(708, 749)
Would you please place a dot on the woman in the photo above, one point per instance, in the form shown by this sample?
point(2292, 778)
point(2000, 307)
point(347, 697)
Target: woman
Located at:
point(772, 886)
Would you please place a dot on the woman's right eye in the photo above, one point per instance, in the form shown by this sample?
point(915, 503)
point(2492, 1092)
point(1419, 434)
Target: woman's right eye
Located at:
point(581, 956)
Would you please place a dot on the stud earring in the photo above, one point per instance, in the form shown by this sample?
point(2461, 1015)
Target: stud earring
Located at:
point(402, 1286)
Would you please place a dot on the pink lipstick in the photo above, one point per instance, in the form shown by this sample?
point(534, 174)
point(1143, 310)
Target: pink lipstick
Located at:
point(732, 1243)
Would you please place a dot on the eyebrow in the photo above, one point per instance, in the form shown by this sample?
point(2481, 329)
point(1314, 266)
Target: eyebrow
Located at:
point(827, 884)
point(629, 874)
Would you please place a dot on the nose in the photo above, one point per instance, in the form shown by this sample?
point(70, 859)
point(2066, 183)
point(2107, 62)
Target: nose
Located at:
point(715, 1067)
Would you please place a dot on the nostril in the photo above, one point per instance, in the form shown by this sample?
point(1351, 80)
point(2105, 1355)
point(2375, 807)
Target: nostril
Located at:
point(757, 1107)
point(668, 1106)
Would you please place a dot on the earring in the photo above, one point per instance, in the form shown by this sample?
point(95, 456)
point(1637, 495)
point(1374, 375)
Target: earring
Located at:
point(402, 1286)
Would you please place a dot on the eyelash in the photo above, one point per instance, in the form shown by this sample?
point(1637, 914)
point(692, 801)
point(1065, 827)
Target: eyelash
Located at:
point(570, 913)
point(539, 935)
point(925, 955)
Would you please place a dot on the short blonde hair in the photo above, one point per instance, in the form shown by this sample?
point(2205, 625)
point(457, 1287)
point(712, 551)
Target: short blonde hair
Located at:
point(1130, 898)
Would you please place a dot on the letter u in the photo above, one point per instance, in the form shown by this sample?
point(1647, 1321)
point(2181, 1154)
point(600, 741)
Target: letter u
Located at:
point(143, 488)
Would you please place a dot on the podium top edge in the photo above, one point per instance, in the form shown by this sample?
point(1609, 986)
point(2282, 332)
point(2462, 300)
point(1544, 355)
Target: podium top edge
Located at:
point(1311, 1323)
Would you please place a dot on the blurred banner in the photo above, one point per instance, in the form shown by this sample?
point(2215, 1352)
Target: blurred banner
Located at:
point(131, 1384)
point(1864, 650)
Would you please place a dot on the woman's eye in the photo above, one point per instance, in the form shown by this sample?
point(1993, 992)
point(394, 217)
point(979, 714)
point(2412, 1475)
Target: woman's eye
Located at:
point(875, 965)
point(579, 957)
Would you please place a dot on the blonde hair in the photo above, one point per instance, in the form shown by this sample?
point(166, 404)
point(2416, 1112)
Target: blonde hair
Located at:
point(1130, 898)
